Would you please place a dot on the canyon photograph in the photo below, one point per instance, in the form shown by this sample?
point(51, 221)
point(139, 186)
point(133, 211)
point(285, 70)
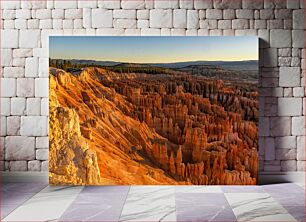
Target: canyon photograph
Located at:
point(153, 110)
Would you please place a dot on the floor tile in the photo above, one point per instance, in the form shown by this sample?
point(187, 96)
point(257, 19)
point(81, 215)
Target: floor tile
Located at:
point(106, 189)
point(257, 207)
point(22, 187)
point(47, 205)
point(283, 188)
point(203, 207)
point(290, 199)
point(242, 189)
point(6, 210)
point(298, 212)
point(198, 189)
point(149, 203)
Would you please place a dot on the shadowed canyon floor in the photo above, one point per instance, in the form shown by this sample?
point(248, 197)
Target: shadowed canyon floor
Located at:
point(109, 127)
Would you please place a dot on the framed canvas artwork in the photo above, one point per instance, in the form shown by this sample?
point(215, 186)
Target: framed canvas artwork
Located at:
point(153, 110)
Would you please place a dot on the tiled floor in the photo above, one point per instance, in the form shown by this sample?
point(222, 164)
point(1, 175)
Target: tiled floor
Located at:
point(40, 202)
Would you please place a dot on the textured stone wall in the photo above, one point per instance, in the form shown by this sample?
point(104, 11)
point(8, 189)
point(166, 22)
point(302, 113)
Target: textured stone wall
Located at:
point(26, 25)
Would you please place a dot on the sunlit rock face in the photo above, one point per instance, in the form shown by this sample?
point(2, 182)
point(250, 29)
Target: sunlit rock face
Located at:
point(173, 128)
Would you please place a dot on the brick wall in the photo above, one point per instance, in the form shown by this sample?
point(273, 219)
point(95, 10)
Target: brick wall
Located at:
point(26, 26)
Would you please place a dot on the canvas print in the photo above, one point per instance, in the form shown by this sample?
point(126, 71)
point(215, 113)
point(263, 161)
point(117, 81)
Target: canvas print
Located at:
point(153, 110)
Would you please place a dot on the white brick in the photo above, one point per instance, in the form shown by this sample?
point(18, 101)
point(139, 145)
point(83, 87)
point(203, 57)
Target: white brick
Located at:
point(203, 4)
point(289, 106)
point(213, 14)
point(73, 13)
point(41, 87)
point(280, 126)
point(66, 4)
point(125, 23)
point(33, 4)
point(58, 13)
point(288, 165)
point(102, 18)
point(45, 166)
point(2, 133)
point(244, 14)
point(264, 126)
point(191, 32)
point(289, 76)
point(165, 32)
point(9, 24)
point(86, 18)
point(110, 31)
point(143, 14)
point(264, 38)
point(224, 4)
point(202, 14)
point(186, 4)
point(160, 18)
point(298, 19)
point(269, 149)
point(33, 24)
point(271, 168)
point(284, 52)
point(34, 165)
point(150, 32)
point(280, 38)
point(23, 13)
point(5, 107)
point(165, 4)
point(192, 19)
point(58, 23)
point(18, 166)
point(215, 32)
point(13, 72)
point(31, 68)
point(42, 154)
point(123, 13)
point(142, 23)
point(8, 87)
point(298, 92)
point(301, 166)
point(298, 126)
point(18, 106)
point(240, 24)
point(293, 4)
point(42, 142)
point(19, 148)
point(285, 142)
point(78, 24)
point(298, 38)
point(29, 38)
point(133, 4)
point(301, 148)
point(33, 106)
point(43, 13)
point(10, 4)
point(6, 57)
point(13, 125)
point(179, 18)
point(43, 65)
point(20, 23)
point(19, 62)
point(109, 4)
point(87, 4)
point(34, 126)
point(178, 32)
point(8, 14)
point(228, 14)
point(252, 4)
point(224, 24)
point(68, 24)
point(44, 106)
point(9, 38)
point(285, 154)
point(45, 24)
point(25, 87)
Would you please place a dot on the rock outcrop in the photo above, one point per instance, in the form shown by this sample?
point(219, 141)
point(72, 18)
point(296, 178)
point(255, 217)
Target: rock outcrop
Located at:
point(159, 129)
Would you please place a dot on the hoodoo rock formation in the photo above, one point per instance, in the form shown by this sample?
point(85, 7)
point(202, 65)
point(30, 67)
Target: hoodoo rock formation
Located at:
point(174, 128)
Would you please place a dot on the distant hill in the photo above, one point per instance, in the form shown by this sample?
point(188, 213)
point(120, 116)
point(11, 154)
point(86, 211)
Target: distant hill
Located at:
point(231, 65)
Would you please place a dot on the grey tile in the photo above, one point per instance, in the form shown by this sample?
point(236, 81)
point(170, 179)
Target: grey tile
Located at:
point(242, 189)
point(298, 212)
point(283, 188)
point(289, 199)
point(203, 207)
